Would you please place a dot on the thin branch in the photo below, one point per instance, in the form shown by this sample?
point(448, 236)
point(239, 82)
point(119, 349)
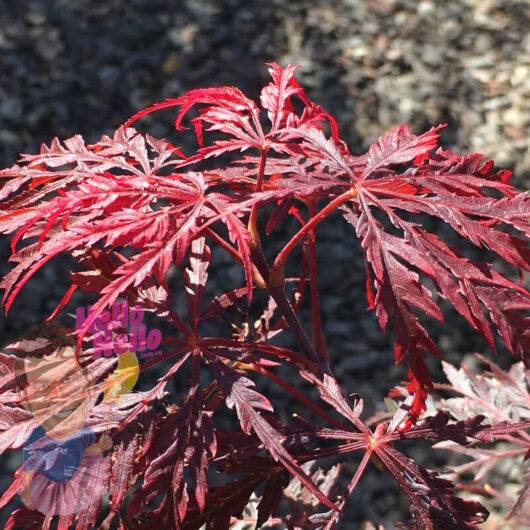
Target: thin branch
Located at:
point(277, 268)
point(316, 321)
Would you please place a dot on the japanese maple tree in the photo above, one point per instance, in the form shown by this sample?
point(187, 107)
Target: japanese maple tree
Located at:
point(130, 206)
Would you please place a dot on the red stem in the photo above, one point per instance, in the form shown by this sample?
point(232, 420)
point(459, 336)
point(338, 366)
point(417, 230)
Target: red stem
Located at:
point(298, 395)
point(253, 218)
point(316, 321)
point(290, 317)
point(285, 308)
point(269, 349)
point(358, 474)
point(277, 268)
point(224, 244)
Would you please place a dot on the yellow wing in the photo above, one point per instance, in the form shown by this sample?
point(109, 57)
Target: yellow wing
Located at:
point(123, 379)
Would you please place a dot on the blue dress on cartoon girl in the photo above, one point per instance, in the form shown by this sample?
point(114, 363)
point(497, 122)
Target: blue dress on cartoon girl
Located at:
point(66, 478)
point(57, 460)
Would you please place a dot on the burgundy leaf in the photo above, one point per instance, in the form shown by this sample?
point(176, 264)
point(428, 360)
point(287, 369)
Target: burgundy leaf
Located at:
point(246, 401)
point(398, 146)
point(275, 97)
point(196, 276)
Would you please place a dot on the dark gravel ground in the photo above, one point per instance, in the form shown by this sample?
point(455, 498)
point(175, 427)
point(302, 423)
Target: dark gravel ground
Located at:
point(84, 66)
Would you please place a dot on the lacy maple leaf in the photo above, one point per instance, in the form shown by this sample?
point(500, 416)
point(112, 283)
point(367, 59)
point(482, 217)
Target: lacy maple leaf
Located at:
point(130, 207)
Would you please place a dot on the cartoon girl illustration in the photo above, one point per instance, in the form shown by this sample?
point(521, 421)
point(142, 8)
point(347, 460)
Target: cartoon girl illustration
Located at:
point(64, 469)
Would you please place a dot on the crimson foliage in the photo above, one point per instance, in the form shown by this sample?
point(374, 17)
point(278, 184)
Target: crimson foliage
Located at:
point(130, 206)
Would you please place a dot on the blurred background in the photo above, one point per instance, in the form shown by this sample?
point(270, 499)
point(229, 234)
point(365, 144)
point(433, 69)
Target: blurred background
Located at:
point(84, 66)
